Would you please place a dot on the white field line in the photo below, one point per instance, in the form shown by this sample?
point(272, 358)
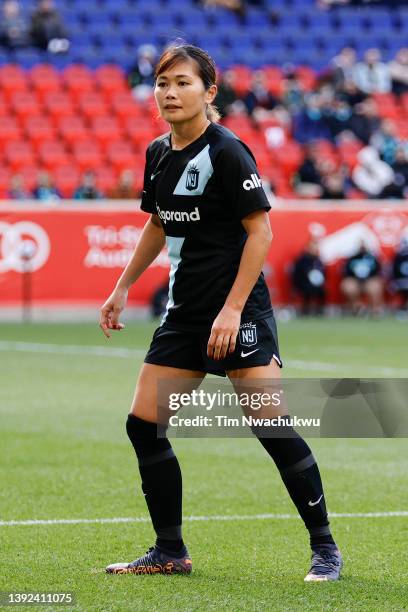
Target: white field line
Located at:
point(190, 519)
point(127, 353)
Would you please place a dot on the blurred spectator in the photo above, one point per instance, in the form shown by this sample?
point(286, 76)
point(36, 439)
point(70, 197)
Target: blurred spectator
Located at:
point(338, 117)
point(399, 274)
point(45, 190)
point(88, 190)
point(386, 141)
point(17, 190)
point(124, 190)
point(361, 277)
point(47, 30)
point(333, 187)
point(310, 124)
point(13, 29)
point(351, 94)
point(259, 97)
point(226, 95)
point(372, 75)
point(293, 93)
point(309, 279)
point(141, 74)
point(399, 72)
point(308, 179)
point(400, 167)
point(364, 120)
point(343, 67)
point(372, 175)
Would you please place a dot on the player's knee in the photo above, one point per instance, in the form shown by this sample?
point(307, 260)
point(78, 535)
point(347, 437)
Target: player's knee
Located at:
point(148, 439)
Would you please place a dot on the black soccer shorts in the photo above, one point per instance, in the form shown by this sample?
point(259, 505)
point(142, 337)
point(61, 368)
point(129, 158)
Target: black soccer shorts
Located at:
point(257, 344)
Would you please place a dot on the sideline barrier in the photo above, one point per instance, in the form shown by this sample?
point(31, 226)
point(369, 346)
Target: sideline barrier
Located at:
point(75, 251)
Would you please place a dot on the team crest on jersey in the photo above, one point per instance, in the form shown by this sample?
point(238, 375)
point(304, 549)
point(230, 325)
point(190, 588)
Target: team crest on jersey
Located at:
point(192, 177)
point(247, 334)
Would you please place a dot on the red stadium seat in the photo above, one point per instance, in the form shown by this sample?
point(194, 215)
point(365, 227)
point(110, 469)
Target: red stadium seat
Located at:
point(111, 79)
point(72, 129)
point(4, 181)
point(39, 129)
point(92, 105)
point(87, 155)
point(4, 107)
point(120, 154)
point(25, 103)
point(125, 106)
point(78, 78)
point(106, 129)
point(348, 152)
point(18, 154)
point(53, 154)
point(9, 130)
point(30, 175)
point(67, 178)
point(58, 104)
point(12, 79)
point(289, 156)
point(44, 79)
point(139, 131)
point(242, 126)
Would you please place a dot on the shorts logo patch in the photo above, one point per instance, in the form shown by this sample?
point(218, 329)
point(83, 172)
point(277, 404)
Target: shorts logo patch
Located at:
point(247, 334)
point(192, 177)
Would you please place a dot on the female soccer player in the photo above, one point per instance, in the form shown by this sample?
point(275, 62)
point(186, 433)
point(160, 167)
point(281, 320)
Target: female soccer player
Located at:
point(205, 199)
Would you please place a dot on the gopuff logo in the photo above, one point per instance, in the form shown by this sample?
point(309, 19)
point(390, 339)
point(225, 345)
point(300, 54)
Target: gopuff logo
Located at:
point(178, 215)
point(23, 244)
point(252, 183)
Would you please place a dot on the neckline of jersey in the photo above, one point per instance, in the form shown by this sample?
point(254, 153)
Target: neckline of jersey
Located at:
point(193, 143)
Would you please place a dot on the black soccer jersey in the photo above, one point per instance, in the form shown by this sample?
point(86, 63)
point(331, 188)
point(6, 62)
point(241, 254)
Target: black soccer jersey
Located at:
point(201, 193)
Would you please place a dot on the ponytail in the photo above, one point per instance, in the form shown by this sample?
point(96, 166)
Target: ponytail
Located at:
point(212, 113)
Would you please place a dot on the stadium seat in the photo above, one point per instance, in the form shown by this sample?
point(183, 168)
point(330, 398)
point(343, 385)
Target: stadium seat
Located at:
point(120, 154)
point(78, 78)
point(106, 178)
point(39, 129)
point(110, 79)
point(18, 153)
point(139, 131)
point(24, 103)
point(10, 130)
point(72, 129)
point(288, 157)
point(44, 79)
point(87, 155)
point(12, 80)
point(125, 106)
point(91, 104)
point(105, 129)
point(58, 104)
point(4, 181)
point(29, 172)
point(52, 154)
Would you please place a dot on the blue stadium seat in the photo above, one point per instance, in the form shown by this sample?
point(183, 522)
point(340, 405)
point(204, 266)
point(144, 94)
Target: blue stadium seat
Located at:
point(27, 58)
point(130, 17)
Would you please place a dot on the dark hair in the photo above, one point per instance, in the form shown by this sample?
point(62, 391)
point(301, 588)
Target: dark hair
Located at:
point(207, 72)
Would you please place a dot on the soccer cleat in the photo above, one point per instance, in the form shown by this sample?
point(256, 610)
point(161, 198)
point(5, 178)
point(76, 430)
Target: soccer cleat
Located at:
point(326, 564)
point(155, 561)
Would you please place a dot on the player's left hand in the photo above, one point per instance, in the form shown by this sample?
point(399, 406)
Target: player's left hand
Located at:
point(224, 333)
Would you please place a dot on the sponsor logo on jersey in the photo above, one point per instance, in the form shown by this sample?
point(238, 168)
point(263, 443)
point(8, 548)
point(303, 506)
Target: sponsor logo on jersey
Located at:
point(247, 334)
point(252, 183)
point(192, 176)
point(178, 215)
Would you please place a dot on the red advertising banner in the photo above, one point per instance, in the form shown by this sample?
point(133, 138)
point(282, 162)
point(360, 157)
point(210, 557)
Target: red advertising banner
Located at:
point(75, 254)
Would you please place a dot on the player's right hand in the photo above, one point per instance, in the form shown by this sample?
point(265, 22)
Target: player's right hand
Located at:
point(110, 311)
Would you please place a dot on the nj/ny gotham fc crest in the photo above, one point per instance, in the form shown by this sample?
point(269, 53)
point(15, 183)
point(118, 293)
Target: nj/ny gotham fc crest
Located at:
point(247, 334)
point(192, 178)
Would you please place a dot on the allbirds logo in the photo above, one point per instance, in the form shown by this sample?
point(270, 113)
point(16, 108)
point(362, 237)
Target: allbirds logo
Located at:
point(252, 183)
point(178, 215)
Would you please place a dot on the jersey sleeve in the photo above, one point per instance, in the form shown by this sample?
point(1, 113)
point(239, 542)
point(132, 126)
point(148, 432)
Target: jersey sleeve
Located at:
point(240, 180)
point(147, 204)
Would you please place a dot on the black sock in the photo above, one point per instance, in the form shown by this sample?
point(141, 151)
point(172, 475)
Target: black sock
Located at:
point(301, 477)
point(161, 481)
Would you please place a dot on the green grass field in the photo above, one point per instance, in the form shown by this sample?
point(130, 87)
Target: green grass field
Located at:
point(65, 455)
